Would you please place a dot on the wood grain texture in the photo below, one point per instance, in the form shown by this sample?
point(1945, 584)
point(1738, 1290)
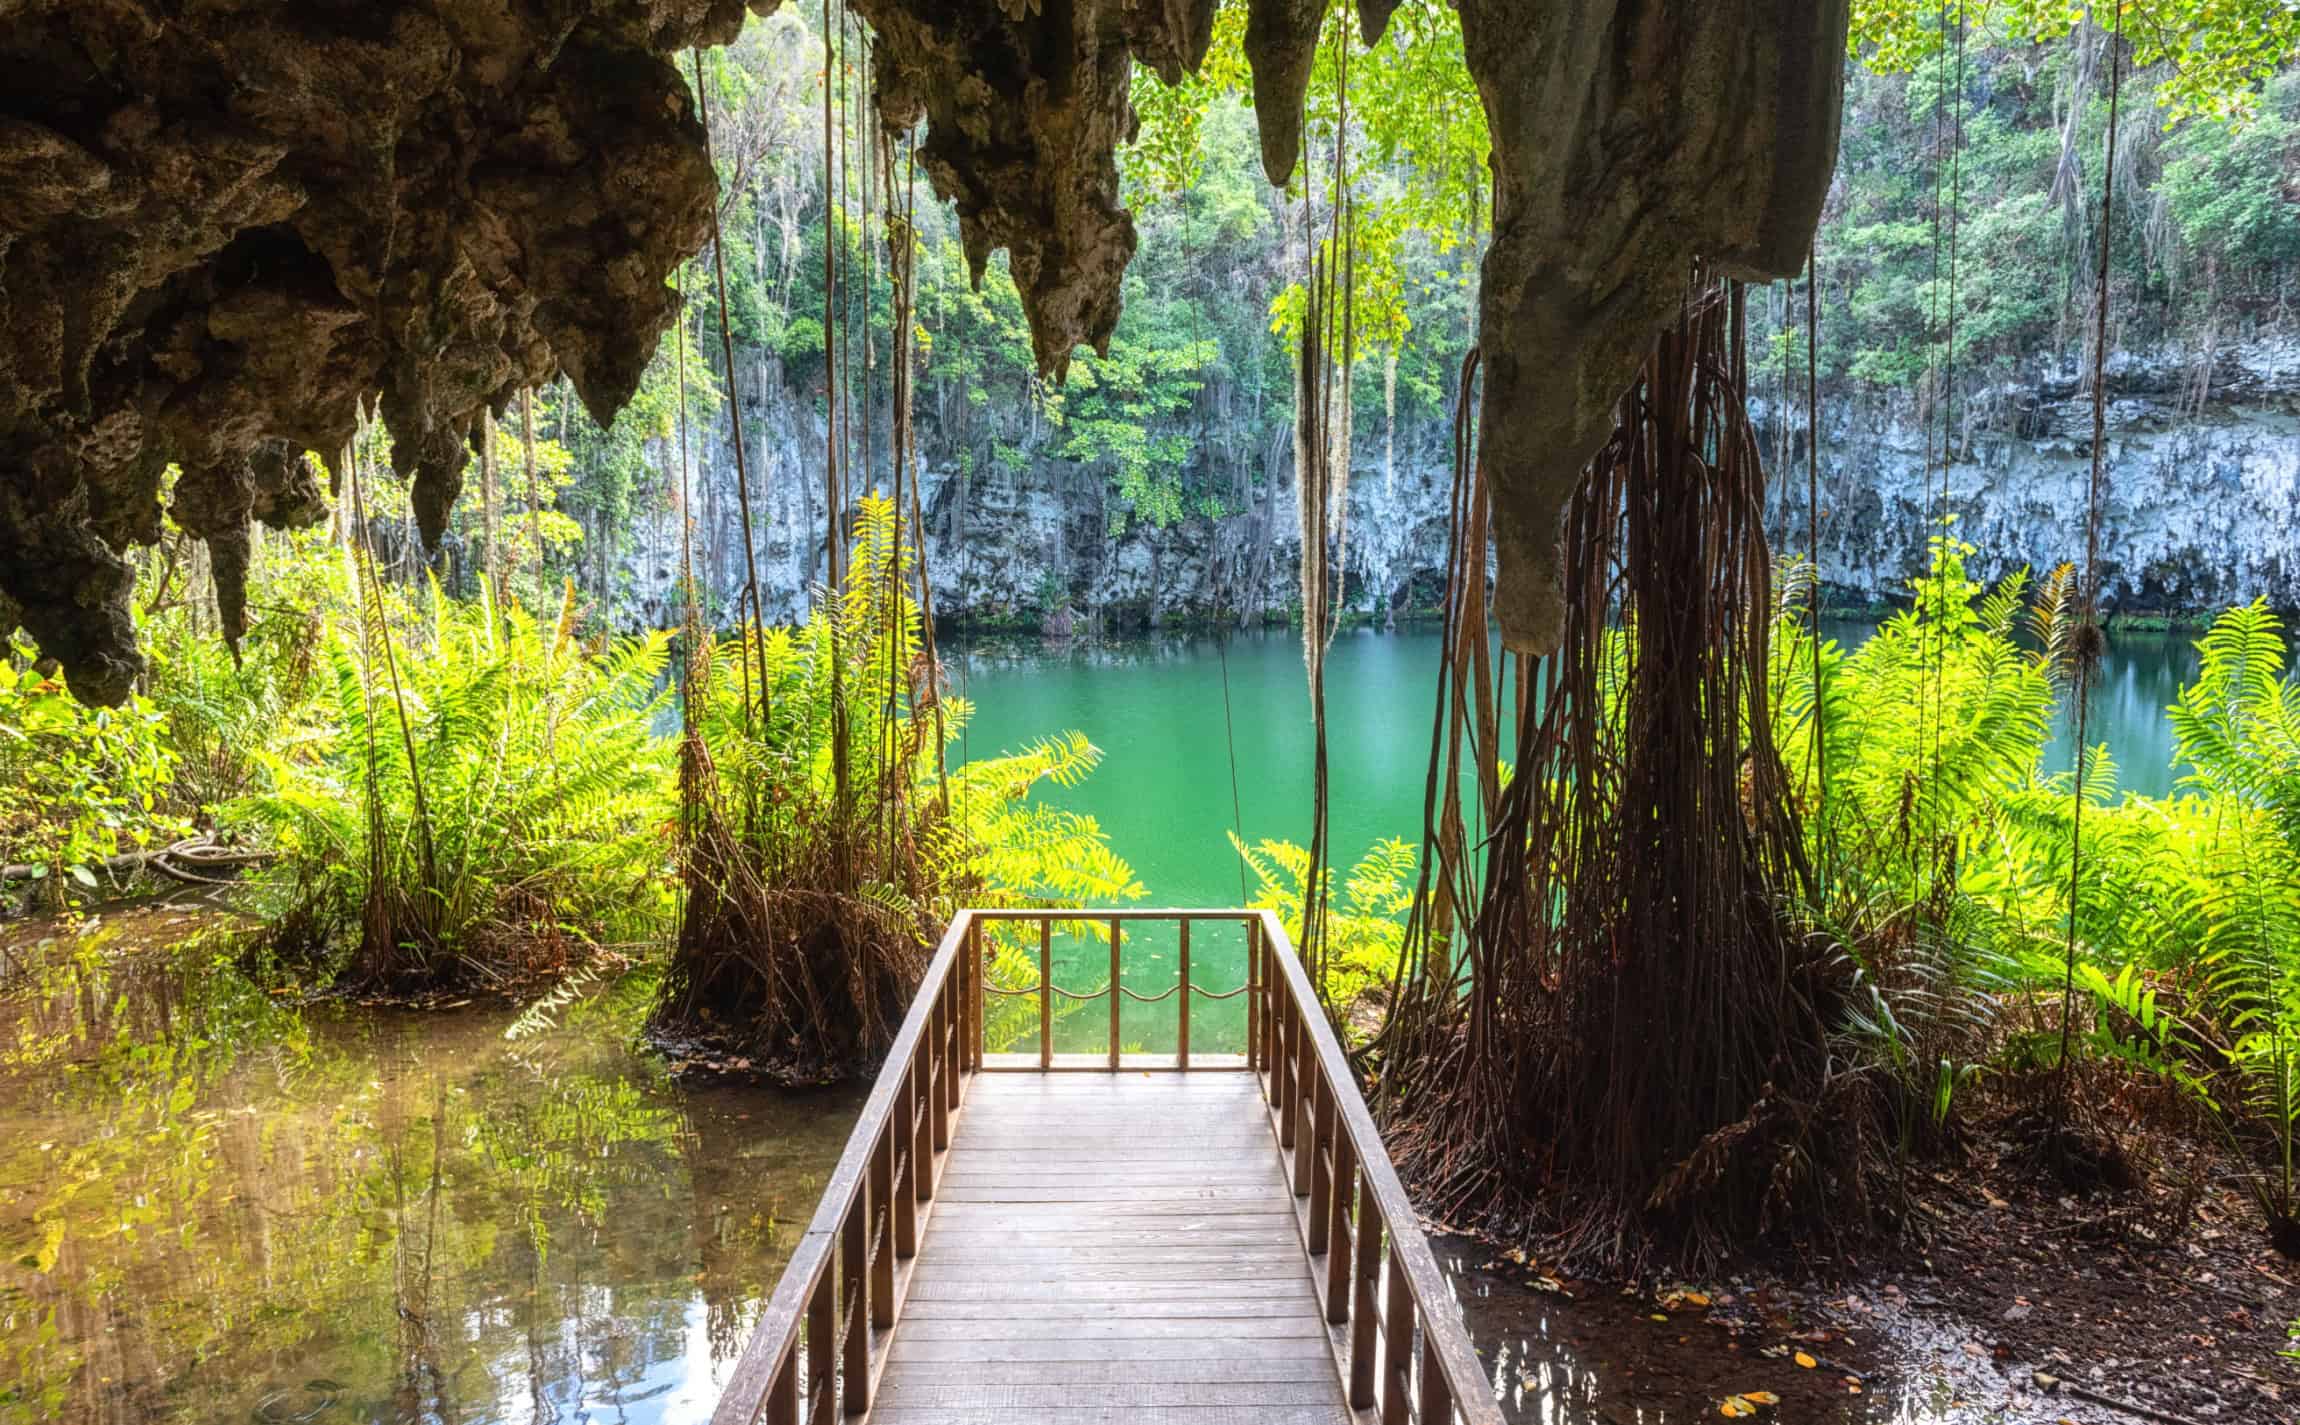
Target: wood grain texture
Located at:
point(1110, 1249)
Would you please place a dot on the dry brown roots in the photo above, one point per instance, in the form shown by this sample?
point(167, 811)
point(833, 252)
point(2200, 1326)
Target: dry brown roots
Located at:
point(1636, 1065)
point(783, 959)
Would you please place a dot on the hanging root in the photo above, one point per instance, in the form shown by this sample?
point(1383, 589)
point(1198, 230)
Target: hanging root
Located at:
point(1638, 1067)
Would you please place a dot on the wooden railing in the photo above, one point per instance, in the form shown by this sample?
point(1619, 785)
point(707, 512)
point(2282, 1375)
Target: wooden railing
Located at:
point(1185, 989)
point(817, 1346)
point(1395, 1329)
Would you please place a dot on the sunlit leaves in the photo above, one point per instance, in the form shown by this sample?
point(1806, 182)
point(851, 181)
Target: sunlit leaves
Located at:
point(2219, 51)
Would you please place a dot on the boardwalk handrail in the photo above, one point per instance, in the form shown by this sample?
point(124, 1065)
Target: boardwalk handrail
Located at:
point(1394, 1326)
point(845, 1280)
point(1312, 1093)
point(1116, 990)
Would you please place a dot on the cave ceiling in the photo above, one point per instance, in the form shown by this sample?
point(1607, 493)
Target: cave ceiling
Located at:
point(229, 227)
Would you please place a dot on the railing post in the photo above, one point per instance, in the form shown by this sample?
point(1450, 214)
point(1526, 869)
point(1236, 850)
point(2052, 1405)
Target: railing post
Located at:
point(854, 1301)
point(881, 1237)
point(1255, 1059)
point(1338, 1231)
point(1116, 996)
point(944, 1081)
point(971, 1057)
point(1305, 1092)
point(1321, 1181)
point(822, 1351)
point(1282, 1083)
point(1182, 1031)
point(1363, 1320)
point(1397, 1341)
point(921, 1127)
point(908, 1190)
point(1437, 1396)
point(783, 1394)
point(1046, 993)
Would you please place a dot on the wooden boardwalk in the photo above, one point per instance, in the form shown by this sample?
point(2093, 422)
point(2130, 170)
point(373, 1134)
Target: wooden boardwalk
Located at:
point(1115, 1239)
point(1112, 1247)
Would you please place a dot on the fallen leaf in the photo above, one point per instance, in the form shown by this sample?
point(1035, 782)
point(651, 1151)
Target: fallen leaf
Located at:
point(1806, 1361)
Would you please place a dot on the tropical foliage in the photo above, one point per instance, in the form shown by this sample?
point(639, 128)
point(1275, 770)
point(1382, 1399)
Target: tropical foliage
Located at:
point(826, 838)
point(478, 790)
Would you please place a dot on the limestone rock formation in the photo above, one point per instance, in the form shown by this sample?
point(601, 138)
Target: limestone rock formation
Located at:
point(1630, 137)
point(225, 225)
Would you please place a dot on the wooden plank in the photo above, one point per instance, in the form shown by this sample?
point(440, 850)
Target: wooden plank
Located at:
point(1123, 1415)
point(1088, 1377)
point(973, 1253)
point(1247, 1252)
point(1207, 1172)
point(970, 1287)
point(1069, 1215)
point(1217, 1313)
point(1001, 1323)
point(1172, 1194)
point(1032, 1395)
point(1086, 1414)
point(1204, 1348)
point(1144, 1273)
point(1209, 1232)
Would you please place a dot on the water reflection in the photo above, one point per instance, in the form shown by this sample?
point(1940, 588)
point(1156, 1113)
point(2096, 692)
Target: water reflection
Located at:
point(1581, 1353)
point(1202, 736)
point(218, 1206)
point(281, 1216)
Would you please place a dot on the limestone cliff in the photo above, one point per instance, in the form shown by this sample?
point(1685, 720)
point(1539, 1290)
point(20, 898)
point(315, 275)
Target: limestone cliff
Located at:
point(2203, 507)
point(2203, 495)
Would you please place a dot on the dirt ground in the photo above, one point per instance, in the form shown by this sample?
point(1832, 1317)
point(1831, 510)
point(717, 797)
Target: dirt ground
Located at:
point(2016, 1301)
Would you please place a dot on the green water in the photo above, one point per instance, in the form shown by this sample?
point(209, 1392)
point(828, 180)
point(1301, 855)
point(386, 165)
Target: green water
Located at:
point(1157, 711)
point(1202, 737)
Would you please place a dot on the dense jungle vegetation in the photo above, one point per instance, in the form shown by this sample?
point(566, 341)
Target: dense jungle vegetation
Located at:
point(455, 774)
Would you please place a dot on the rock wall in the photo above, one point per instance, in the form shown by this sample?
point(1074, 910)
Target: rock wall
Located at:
point(2203, 507)
point(2202, 498)
point(1025, 548)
